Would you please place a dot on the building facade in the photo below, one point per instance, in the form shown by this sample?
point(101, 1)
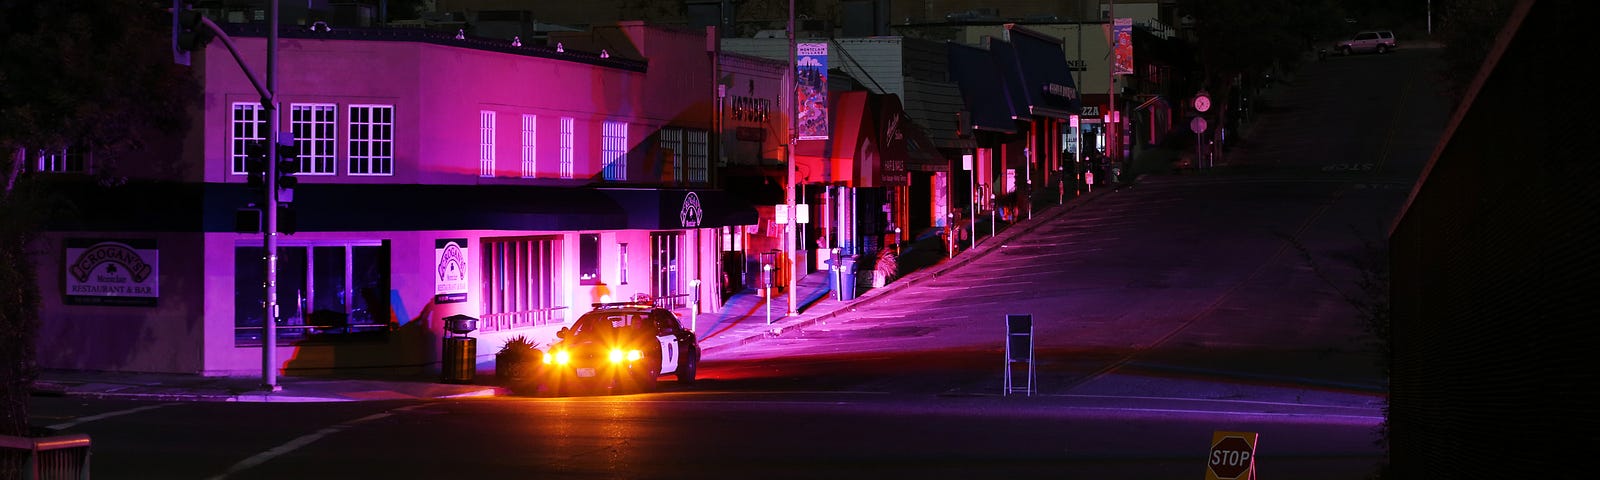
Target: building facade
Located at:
point(439, 175)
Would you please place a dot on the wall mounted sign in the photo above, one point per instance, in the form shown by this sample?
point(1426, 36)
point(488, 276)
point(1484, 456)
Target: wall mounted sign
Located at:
point(122, 272)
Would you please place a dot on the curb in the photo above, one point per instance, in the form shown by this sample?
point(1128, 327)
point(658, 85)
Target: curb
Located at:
point(868, 298)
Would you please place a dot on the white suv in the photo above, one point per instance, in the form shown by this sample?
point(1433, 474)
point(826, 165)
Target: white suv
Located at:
point(1380, 41)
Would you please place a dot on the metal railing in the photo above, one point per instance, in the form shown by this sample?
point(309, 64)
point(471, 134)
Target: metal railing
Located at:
point(672, 301)
point(494, 322)
point(61, 456)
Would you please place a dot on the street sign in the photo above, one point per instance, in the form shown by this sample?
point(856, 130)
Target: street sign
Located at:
point(1232, 456)
point(1197, 125)
point(780, 213)
point(802, 213)
point(1202, 101)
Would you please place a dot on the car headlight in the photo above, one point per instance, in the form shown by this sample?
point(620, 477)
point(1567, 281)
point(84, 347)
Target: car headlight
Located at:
point(561, 357)
point(618, 355)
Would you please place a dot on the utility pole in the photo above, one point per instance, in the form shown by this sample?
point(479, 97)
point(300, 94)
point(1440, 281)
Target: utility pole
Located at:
point(1111, 88)
point(269, 342)
point(794, 109)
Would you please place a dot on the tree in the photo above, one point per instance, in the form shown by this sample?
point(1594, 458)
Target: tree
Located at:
point(1468, 29)
point(1237, 39)
point(93, 75)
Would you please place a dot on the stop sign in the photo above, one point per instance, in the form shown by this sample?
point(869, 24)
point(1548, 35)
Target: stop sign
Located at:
point(1230, 458)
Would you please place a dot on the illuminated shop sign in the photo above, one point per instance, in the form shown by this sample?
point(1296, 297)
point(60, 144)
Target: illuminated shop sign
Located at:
point(112, 272)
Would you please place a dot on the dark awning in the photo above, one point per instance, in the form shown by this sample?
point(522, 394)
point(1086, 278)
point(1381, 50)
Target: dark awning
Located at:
point(1009, 65)
point(982, 90)
point(754, 185)
point(901, 140)
point(674, 209)
point(328, 207)
point(872, 143)
point(321, 207)
point(1047, 81)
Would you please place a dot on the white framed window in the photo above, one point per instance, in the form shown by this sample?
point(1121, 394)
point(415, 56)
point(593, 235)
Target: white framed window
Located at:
point(672, 153)
point(486, 143)
point(622, 263)
point(249, 124)
point(699, 156)
point(62, 160)
point(614, 150)
point(566, 146)
point(314, 129)
point(371, 140)
point(530, 143)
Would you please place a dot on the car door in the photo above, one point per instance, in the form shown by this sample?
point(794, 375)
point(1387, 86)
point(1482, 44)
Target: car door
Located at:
point(667, 334)
point(1366, 41)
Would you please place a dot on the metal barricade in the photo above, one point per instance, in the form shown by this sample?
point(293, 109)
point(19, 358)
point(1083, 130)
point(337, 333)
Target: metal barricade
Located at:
point(1019, 355)
point(54, 457)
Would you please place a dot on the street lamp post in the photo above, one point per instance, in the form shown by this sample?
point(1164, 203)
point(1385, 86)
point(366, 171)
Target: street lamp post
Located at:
point(789, 229)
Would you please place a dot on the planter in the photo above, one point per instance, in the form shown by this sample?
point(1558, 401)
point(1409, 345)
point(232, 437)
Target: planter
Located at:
point(520, 366)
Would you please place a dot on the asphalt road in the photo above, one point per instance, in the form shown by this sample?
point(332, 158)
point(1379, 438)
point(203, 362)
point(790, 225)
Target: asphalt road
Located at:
point(1166, 311)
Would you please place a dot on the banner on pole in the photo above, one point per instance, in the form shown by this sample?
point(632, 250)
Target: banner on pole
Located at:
point(1122, 44)
point(811, 90)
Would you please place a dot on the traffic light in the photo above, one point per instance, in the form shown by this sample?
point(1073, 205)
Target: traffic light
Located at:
point(255, 163)
point(189, 31)
point(287, 154)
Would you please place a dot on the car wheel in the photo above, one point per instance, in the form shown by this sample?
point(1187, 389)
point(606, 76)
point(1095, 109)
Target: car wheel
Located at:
point(1344, 51)
point(686, 371)
point(1382, 49)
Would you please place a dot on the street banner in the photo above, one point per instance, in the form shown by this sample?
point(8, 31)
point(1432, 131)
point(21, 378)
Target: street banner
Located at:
point(1122, 46)
point(811, 90)
point(450, 270)
point(120, 272)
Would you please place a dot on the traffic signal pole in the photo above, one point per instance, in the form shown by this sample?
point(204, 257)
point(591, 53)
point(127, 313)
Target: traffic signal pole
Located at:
point(186, 38)
point(269, 341)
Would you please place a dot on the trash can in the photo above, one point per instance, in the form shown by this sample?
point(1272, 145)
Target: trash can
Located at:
point(459, 359)
point(846, 273)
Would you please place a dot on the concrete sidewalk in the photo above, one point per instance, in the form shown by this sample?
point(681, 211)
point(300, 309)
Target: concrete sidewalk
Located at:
point(742, 320)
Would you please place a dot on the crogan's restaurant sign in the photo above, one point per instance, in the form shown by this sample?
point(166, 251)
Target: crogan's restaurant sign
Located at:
point(112, 272)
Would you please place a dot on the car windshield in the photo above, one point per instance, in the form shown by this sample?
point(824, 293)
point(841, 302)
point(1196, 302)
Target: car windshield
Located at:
point(602, 322)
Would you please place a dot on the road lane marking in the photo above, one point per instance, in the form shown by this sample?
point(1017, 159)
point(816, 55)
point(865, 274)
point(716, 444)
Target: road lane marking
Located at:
point(304, 440)
point(103, 416)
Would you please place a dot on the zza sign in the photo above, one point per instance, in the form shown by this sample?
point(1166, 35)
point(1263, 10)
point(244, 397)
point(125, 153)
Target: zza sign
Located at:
point(1232, 456)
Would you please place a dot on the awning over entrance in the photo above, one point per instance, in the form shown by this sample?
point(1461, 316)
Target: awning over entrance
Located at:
point(1047, 82)
point(321, 207)
point(755, 185)
point(376, 207)
point(387, 207)
point(1009, 66)
point(872, 143)
point(676, 209)
point(983, 91)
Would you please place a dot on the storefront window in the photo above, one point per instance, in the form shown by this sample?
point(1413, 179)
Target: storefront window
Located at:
point(327, 292)
point(589, 259)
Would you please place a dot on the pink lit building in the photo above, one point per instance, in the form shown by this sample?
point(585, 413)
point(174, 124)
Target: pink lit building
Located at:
point(440, 175)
